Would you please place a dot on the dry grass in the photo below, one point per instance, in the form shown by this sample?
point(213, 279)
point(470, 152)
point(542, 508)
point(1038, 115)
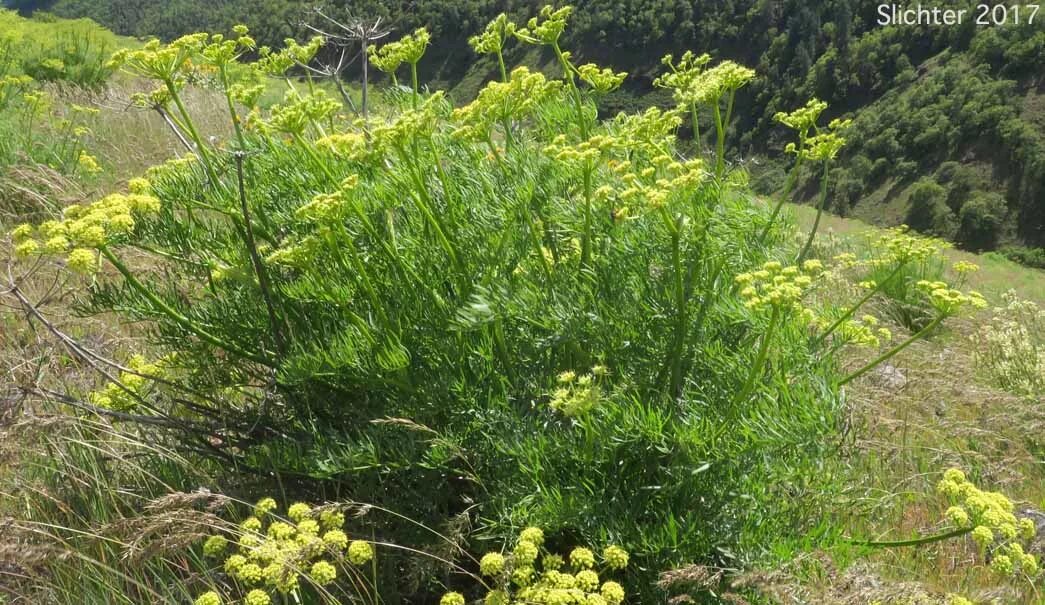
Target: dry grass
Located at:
point(928, 409)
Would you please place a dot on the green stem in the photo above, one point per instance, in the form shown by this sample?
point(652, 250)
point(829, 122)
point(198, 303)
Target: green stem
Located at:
point(954, 533)
point(853, 309)
point(503, 351)
point(819, 213)
point(413, 81)
point(255, 259)
point(720, 141)
point(792, 178)
point(900, 347)
point(423, 200)
point(500, 64)
point(674, 358)
point(201, 151)
point(575, 92)
point(760, 358)
point(696, 128)
point(586, 243)
point(177, 317)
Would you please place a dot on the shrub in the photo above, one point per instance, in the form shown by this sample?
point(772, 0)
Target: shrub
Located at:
point(928, 211)
point(395, 307)
point(507, 309)
point(960, 181)
point(1031, 257)
point(981, 221)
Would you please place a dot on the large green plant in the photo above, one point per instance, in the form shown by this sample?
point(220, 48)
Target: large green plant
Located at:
point(508, 304)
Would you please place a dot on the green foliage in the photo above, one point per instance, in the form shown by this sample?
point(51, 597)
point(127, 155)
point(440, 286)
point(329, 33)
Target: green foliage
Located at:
point(395, 308)
point(57, 50)
point(928, 210)
point(981, 221)
point(1031, 257)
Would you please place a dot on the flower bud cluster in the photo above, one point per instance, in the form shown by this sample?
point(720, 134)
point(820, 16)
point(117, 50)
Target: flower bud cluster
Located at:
point(408, 49)
point(547, 27)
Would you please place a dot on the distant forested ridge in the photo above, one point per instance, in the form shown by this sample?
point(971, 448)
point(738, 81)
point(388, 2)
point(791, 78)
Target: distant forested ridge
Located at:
point(949, 121)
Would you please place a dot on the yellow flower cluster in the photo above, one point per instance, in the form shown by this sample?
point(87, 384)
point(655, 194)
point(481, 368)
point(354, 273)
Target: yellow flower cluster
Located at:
point(88, 163)
point(524, 91)
point(652, 131)
point(901, 245)
point(83, 228)
point(863, 331)
point(492, 39)
point(297, 112)
point(579, 153)
point(578, 395)
point(948, 301)
point(273, 554)
point(329, 208)
point(692, 85)
point(172, 168)
point(804, 118)
point(277, 63)
point(683, 75)
point(822, 146)
point(546, 27)
point(410, 124)
point(220, 51)
point(645, 189)
point(995, 527)
point(164, 62)
point(963, 268)
point(602, 80)
point(349, 145)
point(136, 381)
point(517, 578)
point(779, 288)
point(408, 49)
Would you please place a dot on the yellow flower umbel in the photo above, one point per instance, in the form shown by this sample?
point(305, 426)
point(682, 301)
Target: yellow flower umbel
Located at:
point(948, 301)
point(777, 288)
point(989, 519)
point(133, 386)
point(518, 578)
point(546, 27)
point(499, 102)
point(273, 555)
point(576, 395)
point(84, 228)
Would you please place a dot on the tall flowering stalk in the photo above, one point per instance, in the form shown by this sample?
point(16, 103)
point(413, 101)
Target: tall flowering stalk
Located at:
point(802, 121)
